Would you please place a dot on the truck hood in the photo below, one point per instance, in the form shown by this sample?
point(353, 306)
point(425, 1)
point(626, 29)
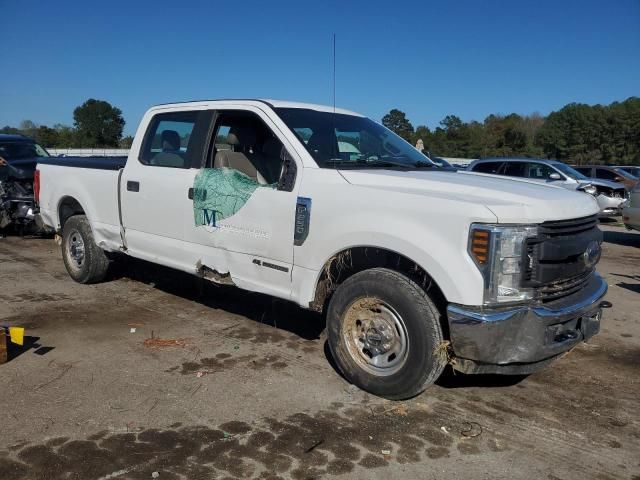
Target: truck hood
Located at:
point(511, 200)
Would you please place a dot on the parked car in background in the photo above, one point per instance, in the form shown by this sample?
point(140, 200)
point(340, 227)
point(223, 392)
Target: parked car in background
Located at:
point(632, 169)
point(631, 213)
point(18, 158)
point(605, 172)
point(413, 264)
point(610, 195)
point(441, 162)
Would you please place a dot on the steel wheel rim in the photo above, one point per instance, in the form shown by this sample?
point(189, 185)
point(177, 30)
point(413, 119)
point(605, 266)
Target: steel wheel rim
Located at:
point(75, 249)
point(375, 336)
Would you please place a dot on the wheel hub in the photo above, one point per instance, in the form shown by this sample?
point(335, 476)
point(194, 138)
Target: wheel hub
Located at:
point(375, 336)
point(76, 248)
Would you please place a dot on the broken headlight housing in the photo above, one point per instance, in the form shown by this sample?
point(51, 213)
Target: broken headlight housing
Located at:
point(499, 251)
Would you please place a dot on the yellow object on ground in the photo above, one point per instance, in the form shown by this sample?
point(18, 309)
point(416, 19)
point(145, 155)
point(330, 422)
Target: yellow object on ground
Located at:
point(17, 335)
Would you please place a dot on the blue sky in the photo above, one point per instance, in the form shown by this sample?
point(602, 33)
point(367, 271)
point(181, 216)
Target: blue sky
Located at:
point(429, 59)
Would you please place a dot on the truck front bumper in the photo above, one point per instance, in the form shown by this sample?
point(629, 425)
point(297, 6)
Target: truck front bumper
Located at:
point(524, 339)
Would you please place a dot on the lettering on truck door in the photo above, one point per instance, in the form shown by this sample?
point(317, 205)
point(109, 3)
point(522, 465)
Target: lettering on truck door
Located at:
point(241, 207)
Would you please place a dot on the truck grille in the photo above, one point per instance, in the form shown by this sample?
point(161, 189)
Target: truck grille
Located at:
point(555, 264)
point(556, 290)
point(568, 227)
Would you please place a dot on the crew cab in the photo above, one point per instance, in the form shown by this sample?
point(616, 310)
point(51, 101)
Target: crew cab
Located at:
point(414, 266)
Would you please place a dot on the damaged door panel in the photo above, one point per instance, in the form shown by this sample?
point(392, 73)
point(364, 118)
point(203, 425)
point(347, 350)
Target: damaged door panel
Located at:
point(240, 206)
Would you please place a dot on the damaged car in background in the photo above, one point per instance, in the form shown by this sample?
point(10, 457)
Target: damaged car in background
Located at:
point(18, 158)
point(611, 196)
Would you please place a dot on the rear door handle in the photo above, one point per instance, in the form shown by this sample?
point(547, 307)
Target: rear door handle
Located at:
point(190, 194)
point(133, 186)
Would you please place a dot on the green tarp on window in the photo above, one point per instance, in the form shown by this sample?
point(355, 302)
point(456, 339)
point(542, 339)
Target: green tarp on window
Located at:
point(219, 193)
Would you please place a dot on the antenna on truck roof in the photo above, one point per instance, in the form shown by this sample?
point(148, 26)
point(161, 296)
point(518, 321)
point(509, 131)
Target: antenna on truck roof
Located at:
point(335, 148)
point(334, 73)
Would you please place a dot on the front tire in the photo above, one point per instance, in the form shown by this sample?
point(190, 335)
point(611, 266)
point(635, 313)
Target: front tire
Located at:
point(85, 261)
point(384, 334)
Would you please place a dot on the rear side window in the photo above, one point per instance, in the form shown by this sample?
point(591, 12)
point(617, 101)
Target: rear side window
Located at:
point(170, 140)
point(606, 174)
point(487, 167)
point(584, 170)
point(514, 169)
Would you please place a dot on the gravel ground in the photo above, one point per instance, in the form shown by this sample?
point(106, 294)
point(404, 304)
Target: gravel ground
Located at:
point(244, 387)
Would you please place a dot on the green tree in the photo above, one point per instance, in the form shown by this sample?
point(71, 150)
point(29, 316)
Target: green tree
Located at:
point(397, 122)
point(66, 136)
point(9, 130)
point(98, 124)
point(46, 136)
point(126, 142)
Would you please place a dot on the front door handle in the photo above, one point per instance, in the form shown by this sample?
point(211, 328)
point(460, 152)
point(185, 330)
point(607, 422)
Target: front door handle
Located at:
point(190, 193)
point(133, 186)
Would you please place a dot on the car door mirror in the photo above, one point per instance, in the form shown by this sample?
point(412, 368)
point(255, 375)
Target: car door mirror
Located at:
point(555, 176)
point(618, 179)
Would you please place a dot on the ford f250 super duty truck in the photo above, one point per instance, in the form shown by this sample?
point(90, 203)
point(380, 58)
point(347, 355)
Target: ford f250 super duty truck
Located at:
point(414, 266)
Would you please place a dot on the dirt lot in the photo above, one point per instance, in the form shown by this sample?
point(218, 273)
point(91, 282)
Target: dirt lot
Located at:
point(247, 389)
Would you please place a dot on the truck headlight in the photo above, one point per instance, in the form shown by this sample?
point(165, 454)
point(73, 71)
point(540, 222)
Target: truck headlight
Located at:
point(500, 254)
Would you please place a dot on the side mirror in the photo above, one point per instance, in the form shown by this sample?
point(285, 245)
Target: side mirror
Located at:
point(555, 176)
point(618, 179)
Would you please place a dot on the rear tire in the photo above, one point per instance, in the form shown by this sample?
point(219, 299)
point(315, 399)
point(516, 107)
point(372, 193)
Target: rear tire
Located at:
point(85, 261)
point(384, 334)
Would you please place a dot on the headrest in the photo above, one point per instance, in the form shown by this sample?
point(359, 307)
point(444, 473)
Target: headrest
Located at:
point(241, 135)
point(272, 147)
point(170, 140)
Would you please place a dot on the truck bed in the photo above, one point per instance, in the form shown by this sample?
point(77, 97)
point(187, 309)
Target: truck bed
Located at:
point(91, 182)
point(99, 163)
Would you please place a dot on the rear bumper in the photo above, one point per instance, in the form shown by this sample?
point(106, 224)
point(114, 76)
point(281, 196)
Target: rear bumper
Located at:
point(524, 339)
point(40, 223)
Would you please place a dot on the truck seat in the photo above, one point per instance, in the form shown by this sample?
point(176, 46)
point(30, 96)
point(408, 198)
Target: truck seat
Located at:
point(241, 158)
point(171, 154)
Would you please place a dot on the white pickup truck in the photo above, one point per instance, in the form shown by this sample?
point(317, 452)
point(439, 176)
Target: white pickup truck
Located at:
point(415, 267)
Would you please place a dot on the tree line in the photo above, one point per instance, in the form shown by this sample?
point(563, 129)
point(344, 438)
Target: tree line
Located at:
point(577, 134)
point(96, 124)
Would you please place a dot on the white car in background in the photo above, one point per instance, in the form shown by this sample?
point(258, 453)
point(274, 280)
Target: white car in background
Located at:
point(611, 196)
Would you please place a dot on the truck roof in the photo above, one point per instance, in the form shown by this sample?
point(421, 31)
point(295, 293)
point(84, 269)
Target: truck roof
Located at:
point(256, 102)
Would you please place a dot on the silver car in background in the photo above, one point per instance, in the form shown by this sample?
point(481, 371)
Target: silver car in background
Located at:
point(631, 213)
point(611, 196)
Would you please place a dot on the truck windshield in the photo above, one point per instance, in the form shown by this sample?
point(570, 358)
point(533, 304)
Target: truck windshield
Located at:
point(569, 172)
point(349, 141)
point(21, 150)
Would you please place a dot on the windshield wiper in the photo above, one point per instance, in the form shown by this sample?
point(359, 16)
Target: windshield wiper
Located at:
point(377, 164)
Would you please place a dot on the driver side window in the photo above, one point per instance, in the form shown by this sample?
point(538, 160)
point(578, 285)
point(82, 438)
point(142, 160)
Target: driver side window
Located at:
point(243, 142)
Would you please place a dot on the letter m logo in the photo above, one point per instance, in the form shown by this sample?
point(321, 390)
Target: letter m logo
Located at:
point(209, 217)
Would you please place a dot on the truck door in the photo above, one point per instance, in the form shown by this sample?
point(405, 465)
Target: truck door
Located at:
point(154, 188)
point(241, 222)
